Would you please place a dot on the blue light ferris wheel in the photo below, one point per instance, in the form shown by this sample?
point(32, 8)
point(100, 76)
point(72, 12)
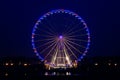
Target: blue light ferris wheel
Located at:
point(60, 36)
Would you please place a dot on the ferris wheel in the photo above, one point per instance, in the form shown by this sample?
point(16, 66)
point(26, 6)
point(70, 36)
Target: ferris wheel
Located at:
point(60, 36)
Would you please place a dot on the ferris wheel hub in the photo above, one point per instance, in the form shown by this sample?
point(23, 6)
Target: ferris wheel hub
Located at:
point(60, 37)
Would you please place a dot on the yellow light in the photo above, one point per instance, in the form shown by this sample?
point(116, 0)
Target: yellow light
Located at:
point(25, 64)
point(6, 64)
point(11, 64)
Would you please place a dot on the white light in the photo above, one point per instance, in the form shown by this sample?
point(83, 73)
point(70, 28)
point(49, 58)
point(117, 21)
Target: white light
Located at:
point(11, 64)
point(109, 64)
point(6, 64)
point(115, 64)
point(67, 73)
point(46, 73)
point(96, 64)
point(25, 64)
point(54, 73)
point(6, 74)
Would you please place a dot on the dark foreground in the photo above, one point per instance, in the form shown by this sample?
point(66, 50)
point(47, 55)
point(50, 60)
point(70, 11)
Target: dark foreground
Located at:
point(99, 68)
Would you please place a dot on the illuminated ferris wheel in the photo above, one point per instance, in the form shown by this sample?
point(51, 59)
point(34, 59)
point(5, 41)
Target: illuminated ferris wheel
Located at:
point(60, 37)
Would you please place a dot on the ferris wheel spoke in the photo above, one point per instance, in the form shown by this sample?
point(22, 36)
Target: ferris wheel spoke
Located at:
point(73, 27)
point(76, 44)
point(53, 32)
point(50, 51)
point(73, 32)
point(70, 50)
point(51, 27)
point(43, 40)
point(65, 50)
point(50, 36)
point(54, 55)
point(46, 44)
point(71, 36)
point(73, 47)
point(71, 39)
point(71, 55)
point(68, 26)
point(60, 33)
point(45, 31)
point(47, 47)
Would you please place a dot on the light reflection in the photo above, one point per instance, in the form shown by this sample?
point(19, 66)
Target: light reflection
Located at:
point(57, 74)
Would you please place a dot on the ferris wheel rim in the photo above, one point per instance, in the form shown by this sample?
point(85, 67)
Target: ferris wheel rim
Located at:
point(55, 12)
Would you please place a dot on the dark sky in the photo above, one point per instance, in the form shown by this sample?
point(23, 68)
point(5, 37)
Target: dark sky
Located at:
point(17, 18)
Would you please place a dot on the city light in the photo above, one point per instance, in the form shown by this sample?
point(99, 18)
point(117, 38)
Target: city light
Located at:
point(109, 64)
point(11, 64)
point(25, 64)
point(96, 64)
point(8, 69)
point(6, 64)
point(6, 74)
point(115, 64)
point(46, 73)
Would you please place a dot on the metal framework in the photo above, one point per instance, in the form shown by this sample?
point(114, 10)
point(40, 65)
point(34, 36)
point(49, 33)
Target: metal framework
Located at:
point(60, 37)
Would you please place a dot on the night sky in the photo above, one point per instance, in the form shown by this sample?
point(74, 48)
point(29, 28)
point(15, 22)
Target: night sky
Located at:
point(17, 18)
